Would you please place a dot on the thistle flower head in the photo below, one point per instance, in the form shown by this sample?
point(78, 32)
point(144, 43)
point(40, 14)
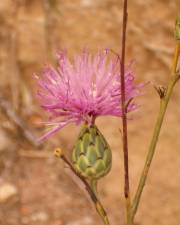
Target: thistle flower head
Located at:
point(83, 89)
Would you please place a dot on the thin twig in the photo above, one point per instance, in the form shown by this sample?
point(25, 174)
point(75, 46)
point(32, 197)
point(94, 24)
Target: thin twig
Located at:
point(124, 111)
point(19, 122)
point(98, 205)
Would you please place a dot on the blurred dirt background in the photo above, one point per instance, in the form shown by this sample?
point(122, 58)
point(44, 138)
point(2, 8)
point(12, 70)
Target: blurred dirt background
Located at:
point(35, 188)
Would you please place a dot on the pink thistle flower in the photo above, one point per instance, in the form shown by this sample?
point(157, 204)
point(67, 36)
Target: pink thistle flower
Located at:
point(84, 89)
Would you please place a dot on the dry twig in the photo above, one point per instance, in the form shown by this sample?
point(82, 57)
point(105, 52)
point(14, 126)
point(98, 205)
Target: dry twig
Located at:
point(18, 121)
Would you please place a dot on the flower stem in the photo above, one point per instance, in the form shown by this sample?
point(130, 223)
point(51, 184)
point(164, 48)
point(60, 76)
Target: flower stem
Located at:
point(90, 189)
point(124, 117)
point(163, 106)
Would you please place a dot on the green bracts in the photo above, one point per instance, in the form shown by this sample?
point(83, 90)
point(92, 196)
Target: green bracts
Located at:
point(91, 154)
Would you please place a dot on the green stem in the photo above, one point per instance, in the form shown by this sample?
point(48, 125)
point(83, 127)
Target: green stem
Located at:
point(93, 184)
point(100, 210)
point(163, 106)
point(99, 207)
point(90, 187)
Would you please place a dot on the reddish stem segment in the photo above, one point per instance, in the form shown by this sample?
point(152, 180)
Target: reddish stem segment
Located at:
point(123, 101)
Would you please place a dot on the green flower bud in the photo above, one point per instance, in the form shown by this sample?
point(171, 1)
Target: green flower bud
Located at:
point(177, 28)
point(91, 154)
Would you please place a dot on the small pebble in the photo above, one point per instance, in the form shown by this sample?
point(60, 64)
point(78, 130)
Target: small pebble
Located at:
point(7, 191)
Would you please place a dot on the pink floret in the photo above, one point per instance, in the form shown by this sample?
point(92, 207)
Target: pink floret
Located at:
point(81, 90)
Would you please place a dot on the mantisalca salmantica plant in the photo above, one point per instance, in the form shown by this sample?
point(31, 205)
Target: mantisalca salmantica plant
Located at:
point(89, 86)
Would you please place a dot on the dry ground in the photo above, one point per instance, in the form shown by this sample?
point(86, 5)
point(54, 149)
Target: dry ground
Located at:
point(34, 186)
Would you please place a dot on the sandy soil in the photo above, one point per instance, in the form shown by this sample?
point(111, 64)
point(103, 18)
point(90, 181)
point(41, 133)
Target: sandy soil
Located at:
point(41, 192)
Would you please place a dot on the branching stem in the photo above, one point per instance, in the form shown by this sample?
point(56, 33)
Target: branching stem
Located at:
point(163, 106)
point(98, 205)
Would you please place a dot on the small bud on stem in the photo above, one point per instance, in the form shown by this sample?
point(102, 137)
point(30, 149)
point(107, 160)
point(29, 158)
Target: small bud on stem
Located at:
point(161, 90)
point(58, 152)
